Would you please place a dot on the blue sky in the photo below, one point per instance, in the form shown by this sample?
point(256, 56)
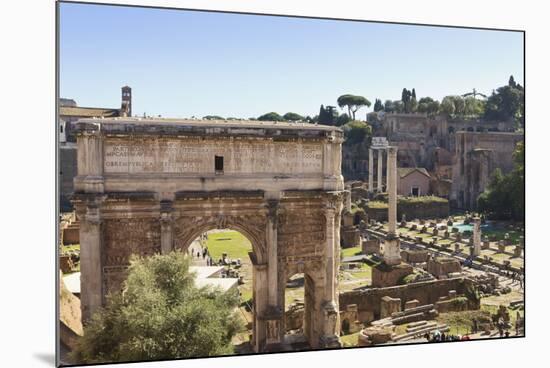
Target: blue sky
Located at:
point(186, 63)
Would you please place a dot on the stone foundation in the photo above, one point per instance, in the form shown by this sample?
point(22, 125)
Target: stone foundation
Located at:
point(441, 267)
point(414, 255)
point(371, 246)
point(384, 275)
point(389, 305)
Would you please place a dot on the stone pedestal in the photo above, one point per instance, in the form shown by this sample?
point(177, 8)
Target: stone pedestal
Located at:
point(91, 270)
point(392, 250)
point(389, 305)
point(371, 246)
point(330, 339)
point(385, 275)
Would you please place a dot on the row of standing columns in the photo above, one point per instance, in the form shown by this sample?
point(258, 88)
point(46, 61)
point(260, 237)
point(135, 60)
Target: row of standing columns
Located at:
point(379, 176)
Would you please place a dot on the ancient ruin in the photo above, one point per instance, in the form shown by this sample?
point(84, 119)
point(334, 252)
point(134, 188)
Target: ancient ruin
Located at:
point(148, 186)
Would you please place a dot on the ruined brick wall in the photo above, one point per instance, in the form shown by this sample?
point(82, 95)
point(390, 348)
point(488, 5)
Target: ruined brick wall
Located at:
point(477, 155)
point(418, 210)
point(427, 292)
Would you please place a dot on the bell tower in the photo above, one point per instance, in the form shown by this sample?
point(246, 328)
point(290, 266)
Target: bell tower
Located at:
point(126, 104)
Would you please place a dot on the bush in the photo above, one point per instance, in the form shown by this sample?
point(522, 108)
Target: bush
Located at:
point(356, 131)
point(161, 314)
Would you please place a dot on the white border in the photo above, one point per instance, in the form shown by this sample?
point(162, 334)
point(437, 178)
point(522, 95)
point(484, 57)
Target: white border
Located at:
point(27, 154)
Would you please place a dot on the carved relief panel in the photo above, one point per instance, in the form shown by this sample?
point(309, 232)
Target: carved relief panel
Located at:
point(124, 237)
point(301, 233)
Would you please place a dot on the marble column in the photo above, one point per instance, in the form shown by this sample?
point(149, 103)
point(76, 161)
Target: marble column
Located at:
point(477, 237)
point(392, 254)
point(91, 273)
point(259, 305)
point(330, 316)
point(166, 232)
point(330, 214)
point(379, 173)
point(387, 176)
point(347, 196)
point(371, 170)
point(271, 240)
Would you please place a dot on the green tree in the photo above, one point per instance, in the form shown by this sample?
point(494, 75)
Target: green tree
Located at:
point(504, 197)
point(292, 116)
point(212, 117)
point(458, 101)
point(508, 102)
point(356, 131)
point(389, 106)
point(353, 103)
point(378, 105)
point(428, 105)
point(447, 106)
point(342, 119)
point(160, 314)
point(271, 116)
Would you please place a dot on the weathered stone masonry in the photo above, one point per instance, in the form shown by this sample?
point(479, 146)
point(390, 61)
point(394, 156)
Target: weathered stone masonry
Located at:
point(152, 186)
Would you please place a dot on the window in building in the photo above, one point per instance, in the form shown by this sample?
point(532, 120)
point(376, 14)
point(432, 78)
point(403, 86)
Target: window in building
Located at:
point(218, 164)
point(415, 191)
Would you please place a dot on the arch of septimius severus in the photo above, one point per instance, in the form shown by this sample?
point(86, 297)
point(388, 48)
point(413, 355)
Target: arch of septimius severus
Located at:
point(152, 186)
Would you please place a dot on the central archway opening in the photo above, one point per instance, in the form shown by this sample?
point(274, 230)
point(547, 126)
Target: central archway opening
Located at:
point(220, 257)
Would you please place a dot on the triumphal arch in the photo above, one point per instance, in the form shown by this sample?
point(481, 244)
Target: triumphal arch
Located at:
point(147, 186)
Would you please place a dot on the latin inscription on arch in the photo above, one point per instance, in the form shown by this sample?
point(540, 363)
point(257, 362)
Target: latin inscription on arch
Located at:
point(173, 156)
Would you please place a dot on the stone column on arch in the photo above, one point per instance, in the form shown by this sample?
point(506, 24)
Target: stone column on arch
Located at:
point(379, 172)
point(260, 304)
point(91, 266)
point(330, 313)
point(166, 227)
point(273, 313)
point(371, 170)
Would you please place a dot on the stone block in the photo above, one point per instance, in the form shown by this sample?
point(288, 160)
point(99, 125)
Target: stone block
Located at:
point(414, 255)
point(371, 246)
point(411, 304)
point(389, 305)
point(441, 267)
point(384, 275)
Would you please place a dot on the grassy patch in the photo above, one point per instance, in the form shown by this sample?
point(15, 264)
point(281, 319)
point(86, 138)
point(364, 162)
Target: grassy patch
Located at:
point(365, 272)
point(70, 248)
point(348, 252)
point(349, 340)
point(422, 199)
point(231, 242)
point(461, 323)
point(377, 205)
